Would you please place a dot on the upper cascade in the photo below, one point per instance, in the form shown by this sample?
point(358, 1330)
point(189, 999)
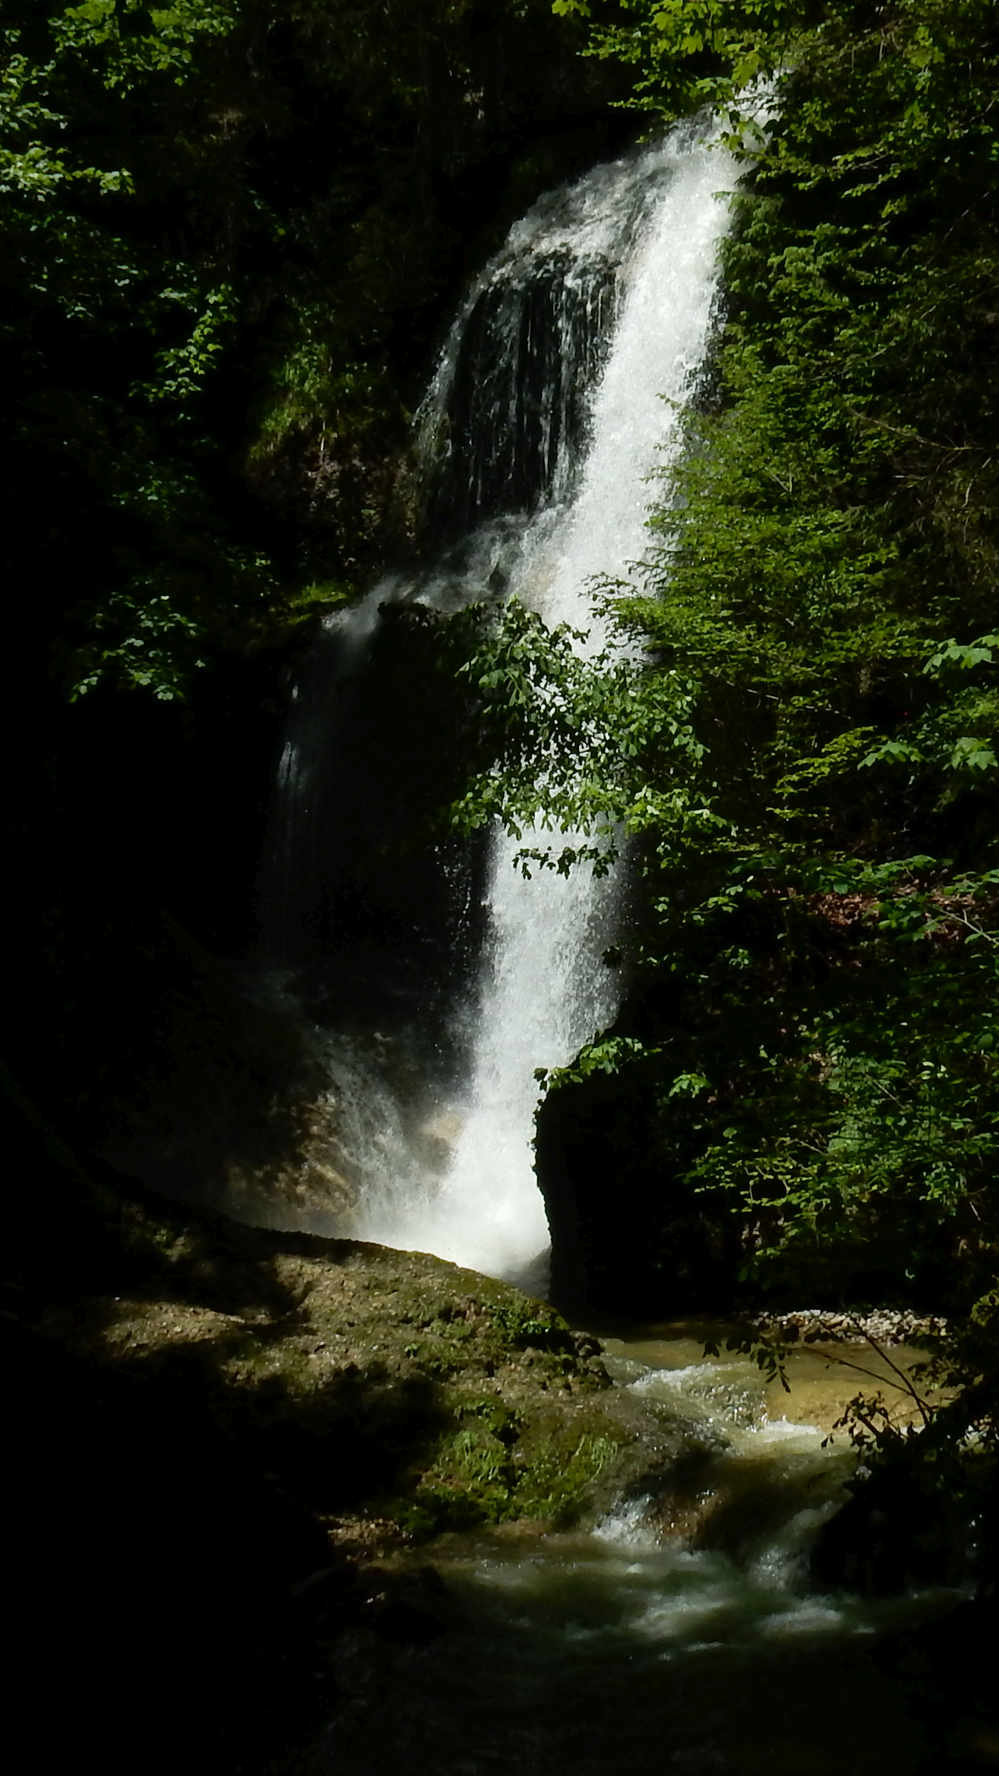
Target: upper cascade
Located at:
point(504, 425)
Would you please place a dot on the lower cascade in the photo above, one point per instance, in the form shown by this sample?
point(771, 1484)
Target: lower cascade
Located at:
point(554, 399)
point(681, 1632)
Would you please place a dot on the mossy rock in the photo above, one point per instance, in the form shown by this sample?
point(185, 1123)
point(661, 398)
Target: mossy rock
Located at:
point(379, 1386)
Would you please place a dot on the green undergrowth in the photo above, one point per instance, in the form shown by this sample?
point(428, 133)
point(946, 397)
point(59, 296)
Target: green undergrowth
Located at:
point(488, 1472)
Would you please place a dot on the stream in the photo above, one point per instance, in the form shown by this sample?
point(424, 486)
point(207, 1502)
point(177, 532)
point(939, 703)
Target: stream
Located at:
point(680, 1632)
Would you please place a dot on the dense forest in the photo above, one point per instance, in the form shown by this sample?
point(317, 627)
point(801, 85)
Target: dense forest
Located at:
point(232, 236)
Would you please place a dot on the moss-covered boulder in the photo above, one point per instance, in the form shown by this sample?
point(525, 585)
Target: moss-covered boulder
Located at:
point(394, 1394)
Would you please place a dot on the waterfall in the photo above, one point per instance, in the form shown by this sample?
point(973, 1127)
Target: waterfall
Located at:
point(554, 398)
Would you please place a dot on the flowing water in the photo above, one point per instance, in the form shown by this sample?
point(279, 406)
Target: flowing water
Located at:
point(554, 399)
point(681, 1633)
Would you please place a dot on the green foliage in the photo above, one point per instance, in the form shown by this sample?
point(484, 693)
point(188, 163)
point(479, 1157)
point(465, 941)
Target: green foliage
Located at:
point(114, 338)
point(125, 41)
point(688, 53)
point(529, 1326)
point(560, 1474)
point(477, 1477)
point(812, 557)
point(226, 239)
point(567, 739)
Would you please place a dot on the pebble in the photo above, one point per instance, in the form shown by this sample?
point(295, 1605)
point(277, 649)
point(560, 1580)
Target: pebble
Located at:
point(815, 1325)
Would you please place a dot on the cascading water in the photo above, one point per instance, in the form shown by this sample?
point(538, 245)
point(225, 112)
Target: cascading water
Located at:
point(554, 399)
point(681, 1633)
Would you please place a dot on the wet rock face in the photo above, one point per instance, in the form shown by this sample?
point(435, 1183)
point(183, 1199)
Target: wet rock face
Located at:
point(900, 1531)
point(625, 1239)
point(629, 1240)
point(224, 1098)
point(530, 353)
